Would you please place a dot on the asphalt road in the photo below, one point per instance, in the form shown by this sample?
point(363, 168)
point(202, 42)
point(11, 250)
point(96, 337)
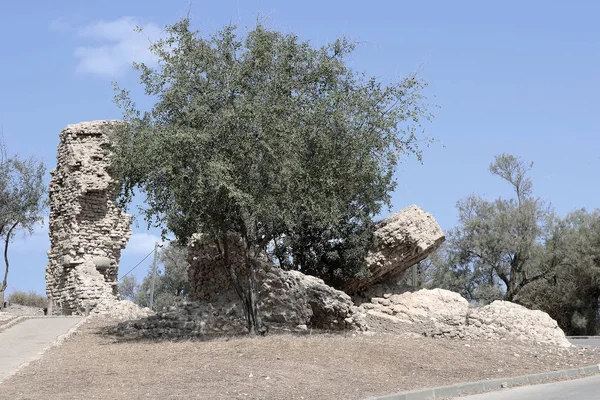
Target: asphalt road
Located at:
point(586, 342)
point(26, 340)
point(577, 389)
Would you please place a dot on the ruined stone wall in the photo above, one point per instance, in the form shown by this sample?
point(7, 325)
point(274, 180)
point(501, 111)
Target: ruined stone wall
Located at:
point(402, 240)
point(87, 229)
point(209, 280)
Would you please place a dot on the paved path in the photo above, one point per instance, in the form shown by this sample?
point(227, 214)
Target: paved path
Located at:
point(577, 389)
point(27, 339)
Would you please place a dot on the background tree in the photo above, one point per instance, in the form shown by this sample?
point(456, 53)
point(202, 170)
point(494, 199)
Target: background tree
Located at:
point(497, 249)
point(175, 266)
point(571, 294)
point(22, 199)
point(171, 282)
point(128, 287)
point(263, 138)
point(520, 250)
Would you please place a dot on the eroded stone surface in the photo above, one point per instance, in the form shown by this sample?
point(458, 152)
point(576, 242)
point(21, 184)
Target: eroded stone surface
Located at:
point(120, 309)
point(209, 280)
point(287, 300)
point(445, 314)
point(402, 240)
point(87, 229)
point(293, 298)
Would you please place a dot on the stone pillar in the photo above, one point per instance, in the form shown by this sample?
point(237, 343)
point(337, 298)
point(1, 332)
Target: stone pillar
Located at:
point(87, 229)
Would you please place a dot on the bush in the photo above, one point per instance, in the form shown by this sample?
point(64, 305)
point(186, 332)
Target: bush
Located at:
point(30, 299)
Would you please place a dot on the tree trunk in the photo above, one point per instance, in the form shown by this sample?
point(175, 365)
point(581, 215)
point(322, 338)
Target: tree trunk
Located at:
point(256, 323)
point(246, 294)
point(6, 242)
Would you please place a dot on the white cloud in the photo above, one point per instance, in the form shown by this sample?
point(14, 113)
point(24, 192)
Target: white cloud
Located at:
point(117, 46)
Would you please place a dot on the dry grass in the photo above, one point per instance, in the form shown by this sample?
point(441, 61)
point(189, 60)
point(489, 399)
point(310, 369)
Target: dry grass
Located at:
point(28, 299)
point(93, 365)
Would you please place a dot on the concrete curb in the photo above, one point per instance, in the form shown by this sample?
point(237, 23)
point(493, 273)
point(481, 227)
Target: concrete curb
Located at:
point(464, 389)
point(12, 322)
point(56, 342)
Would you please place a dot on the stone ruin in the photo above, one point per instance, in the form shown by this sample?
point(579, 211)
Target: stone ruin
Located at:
point(441, 313)
point(401, 241)
point(88, 232)
point(87, 228)
point(292, 301)
point(288, 299)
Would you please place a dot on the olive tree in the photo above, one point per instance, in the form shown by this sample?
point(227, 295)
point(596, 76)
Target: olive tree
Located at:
point(264, 138)
point(22, 199)
point(571, 294)
point(499, 247)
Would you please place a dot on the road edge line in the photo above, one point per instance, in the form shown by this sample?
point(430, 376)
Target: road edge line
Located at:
point(468, 388)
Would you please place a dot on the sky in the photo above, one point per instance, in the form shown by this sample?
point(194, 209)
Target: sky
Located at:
point(506, 77)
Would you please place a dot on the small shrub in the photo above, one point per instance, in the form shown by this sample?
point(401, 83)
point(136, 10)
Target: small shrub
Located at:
point(30, 299)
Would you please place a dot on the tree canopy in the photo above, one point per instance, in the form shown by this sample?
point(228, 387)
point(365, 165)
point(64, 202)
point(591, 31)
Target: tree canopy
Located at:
point(571, 293)
point(22, 198)
point(518, 249)
point(265, 137)
point(499, 244)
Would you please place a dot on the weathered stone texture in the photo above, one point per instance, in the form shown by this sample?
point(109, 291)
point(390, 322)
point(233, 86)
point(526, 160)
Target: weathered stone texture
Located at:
point(291, 298)
point(401, 240)
point(208, 277)
point(87, 229)
point(287, 300)
point(445, 314)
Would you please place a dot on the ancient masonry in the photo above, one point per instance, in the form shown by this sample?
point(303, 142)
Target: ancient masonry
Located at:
point(87, 229)
point(402, 240)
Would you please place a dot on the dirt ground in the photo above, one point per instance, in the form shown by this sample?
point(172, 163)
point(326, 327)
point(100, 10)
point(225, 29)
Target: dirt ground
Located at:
point(95, 365)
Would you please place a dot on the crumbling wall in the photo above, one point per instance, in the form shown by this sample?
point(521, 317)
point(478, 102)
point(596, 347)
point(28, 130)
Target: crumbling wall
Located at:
point(87, 229)
point(287, 301)
point(401, 240)
point(208, 277)
point(290, 298)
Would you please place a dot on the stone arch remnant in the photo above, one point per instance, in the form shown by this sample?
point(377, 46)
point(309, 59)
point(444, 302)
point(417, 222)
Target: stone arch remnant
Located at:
point(87, 228)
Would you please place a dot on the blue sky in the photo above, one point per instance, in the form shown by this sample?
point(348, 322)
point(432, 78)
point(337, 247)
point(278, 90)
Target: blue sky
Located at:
point(511, 76)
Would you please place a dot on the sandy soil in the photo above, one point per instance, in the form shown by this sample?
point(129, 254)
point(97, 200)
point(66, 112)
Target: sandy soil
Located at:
point(95, 365)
